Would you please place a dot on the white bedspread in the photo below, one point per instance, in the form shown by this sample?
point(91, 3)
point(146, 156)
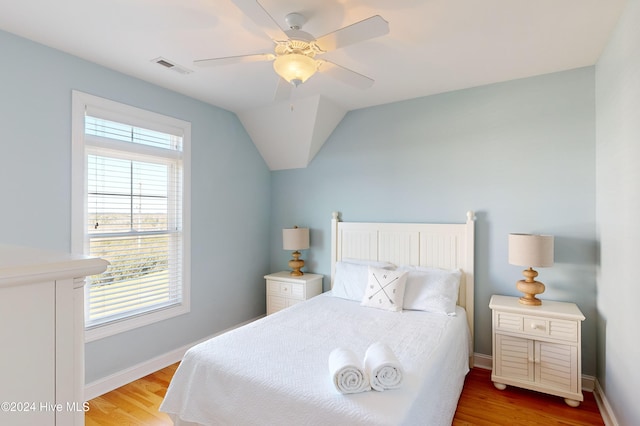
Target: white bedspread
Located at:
point(274, 371)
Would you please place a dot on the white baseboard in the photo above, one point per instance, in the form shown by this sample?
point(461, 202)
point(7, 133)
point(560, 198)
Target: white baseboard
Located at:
point(121, 378)
point(482, 361)
point(603, 404)
point(486, 362)
point(588, 383)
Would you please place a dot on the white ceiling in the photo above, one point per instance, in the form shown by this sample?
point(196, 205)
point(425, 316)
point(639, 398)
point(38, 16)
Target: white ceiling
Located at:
point(433, 46)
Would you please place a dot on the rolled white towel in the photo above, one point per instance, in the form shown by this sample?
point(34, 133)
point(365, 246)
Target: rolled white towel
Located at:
point(347, 373)
point(383, 368)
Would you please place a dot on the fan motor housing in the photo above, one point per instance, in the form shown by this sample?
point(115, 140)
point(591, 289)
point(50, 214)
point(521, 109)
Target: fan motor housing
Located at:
point(295, 21)
point(297, 46)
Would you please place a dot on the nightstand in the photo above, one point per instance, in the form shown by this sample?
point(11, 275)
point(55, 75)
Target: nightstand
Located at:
point(538, 347)
point(284, 290)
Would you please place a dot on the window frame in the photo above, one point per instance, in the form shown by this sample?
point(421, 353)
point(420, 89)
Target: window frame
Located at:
point(115, 111)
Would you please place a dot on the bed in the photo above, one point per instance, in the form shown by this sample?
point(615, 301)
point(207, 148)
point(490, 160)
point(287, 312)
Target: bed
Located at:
point(274, 371)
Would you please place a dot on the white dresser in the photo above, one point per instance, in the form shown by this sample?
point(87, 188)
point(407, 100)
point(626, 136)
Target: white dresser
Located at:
point(284, 290)
point(42, 336)
point(538, 347)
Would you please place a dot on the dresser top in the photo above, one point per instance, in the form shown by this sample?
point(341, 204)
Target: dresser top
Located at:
point(287, 277)
point(550, 308)
point(21, 265)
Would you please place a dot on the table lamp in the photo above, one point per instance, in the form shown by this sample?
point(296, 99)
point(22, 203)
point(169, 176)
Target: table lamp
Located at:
point(295, 239)
point(531, 251)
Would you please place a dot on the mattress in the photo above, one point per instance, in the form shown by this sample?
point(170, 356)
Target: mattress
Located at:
point(274, 371)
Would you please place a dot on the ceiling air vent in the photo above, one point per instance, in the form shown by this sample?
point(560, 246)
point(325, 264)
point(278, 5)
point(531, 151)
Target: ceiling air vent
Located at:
point(171, 65)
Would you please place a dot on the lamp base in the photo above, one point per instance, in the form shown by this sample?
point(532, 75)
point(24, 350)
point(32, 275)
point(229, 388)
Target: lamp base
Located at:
point(296, 264)
point(530, 288)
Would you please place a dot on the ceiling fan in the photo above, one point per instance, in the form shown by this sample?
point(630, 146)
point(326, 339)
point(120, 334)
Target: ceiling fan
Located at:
point(294, 56)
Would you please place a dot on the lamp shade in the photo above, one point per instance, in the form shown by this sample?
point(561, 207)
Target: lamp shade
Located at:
point(531, 250)
point(295, 238)
point(295, 67)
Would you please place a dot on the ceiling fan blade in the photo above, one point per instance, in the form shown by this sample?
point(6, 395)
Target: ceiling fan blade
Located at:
point(369, 28)
point(283, 90)
point(345, 75)
point(228, 60)
point(261, 18)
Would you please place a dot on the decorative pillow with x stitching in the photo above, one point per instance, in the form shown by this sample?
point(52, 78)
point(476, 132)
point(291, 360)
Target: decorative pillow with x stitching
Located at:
point(385, 289)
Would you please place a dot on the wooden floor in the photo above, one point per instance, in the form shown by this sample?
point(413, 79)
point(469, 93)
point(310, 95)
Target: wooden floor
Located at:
point(482, 404)
point(136, 404)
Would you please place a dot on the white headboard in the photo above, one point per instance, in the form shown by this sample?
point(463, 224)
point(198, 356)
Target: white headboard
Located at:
point(423, 244)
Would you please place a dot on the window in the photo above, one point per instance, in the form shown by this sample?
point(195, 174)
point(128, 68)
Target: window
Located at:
point(130, 197)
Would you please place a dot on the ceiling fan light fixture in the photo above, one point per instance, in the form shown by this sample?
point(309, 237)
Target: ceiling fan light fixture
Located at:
point(295, 67)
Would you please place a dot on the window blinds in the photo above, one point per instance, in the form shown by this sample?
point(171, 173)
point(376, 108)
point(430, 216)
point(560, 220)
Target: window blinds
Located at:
point(134, 219)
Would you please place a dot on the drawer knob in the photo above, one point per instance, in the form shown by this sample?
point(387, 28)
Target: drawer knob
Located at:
point(535, 326)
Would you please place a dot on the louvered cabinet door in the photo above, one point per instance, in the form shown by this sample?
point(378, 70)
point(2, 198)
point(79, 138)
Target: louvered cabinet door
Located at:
point(557, 366)
point(537, 348)
point(514, 357)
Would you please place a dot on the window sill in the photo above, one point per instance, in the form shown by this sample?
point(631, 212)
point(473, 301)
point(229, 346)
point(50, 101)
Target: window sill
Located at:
point(111, 329)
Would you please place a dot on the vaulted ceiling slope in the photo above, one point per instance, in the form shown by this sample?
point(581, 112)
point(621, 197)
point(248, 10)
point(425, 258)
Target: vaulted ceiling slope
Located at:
point(433, 46)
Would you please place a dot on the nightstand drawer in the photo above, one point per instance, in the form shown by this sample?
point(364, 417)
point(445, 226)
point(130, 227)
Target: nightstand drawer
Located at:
point(565, 330)
point(273, 287)
point(508, 322)
point(534, 326)
point(291, 290)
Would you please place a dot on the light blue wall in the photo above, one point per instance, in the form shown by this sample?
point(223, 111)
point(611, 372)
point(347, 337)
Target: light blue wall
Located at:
point(230, 192)
point(618, 203)
point(521, 154)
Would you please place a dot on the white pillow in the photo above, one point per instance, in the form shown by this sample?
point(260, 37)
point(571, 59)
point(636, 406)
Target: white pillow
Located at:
point(431, 289)
point(385, 289)
point(351, 278)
